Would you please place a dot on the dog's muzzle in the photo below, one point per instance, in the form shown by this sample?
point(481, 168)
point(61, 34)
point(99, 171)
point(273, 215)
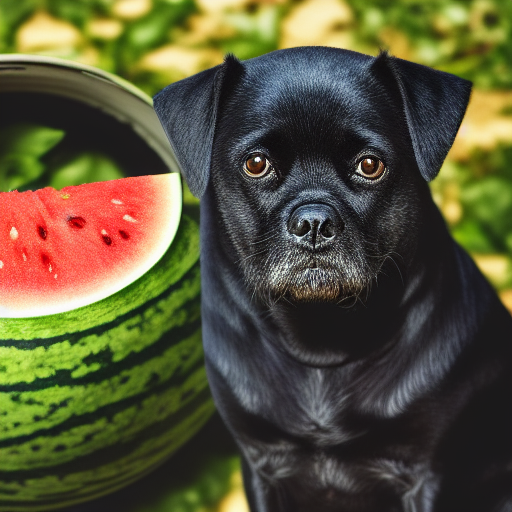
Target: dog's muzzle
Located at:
point(315, 225)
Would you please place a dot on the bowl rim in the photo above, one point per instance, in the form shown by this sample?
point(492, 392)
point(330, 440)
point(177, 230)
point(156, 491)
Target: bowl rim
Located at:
point(20, 59)
point(144, 121)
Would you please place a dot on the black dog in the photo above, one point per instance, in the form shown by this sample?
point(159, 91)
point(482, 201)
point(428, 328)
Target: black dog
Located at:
point(354, 350)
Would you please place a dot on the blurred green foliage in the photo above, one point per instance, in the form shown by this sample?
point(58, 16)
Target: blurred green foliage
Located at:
point(486, 198)
point(21, 148)
point(208, 487)
point(34, 156)
point(470, 38)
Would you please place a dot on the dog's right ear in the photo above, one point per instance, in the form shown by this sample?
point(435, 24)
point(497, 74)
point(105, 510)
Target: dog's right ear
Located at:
point(434, 103)
point(188, 112)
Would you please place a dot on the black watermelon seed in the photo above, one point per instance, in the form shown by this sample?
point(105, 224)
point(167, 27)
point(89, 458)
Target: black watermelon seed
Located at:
point(107, 239)
point(42, 232)
point(124, 234)
point(76, 222)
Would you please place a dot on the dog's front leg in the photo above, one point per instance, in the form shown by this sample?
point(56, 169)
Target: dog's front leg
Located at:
point(262, 496)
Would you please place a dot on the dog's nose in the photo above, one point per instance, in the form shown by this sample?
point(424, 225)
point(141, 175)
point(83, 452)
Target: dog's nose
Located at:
point(315, 223)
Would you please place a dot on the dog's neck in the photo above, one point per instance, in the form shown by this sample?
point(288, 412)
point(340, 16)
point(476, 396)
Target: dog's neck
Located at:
point(327, 334)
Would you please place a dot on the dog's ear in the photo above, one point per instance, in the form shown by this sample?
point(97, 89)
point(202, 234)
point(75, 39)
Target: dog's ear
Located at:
point(188, 111)
point(434, 104)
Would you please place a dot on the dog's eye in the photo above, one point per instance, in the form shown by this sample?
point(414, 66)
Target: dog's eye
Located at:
point(370, 167)
point(256, 165)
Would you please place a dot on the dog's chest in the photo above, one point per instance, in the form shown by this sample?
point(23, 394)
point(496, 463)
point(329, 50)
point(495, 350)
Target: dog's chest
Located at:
point(310, 404)
point(314, 445)
point(319, 407)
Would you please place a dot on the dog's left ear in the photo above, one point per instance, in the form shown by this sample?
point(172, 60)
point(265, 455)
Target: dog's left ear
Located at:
point(188, 112)
point(434, 103)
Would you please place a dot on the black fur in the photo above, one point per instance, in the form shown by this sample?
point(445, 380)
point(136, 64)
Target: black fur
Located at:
point(362, 363)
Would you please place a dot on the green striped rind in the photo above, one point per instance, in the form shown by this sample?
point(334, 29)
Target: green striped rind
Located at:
point(47, 492)
point(88, 407)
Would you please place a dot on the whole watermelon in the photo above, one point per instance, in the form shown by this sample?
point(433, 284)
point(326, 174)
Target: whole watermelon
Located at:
point(93, 398)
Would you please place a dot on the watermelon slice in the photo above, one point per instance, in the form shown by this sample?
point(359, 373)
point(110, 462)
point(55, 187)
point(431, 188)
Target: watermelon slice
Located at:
point(64, 249)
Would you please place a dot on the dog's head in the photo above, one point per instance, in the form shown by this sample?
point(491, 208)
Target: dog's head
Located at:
point(317, 160)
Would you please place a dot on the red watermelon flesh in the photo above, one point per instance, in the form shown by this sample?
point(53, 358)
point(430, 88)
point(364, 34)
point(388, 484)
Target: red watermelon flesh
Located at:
point(63, 249)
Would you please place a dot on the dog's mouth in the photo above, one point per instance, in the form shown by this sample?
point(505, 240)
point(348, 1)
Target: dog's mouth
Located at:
point(312, 285)
point(311, 278)
point(313, 265)
point(318, 284)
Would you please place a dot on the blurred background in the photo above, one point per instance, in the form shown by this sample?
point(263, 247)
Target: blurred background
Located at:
point(154, 42)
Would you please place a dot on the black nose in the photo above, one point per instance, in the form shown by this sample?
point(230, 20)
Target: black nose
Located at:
point(315, 224)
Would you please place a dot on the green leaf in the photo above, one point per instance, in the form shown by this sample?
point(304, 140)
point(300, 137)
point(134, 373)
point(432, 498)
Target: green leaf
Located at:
point(18, 170)
point(85, 168)
point(28, 139)
point(153, 29)
point(21, 147)
point(12, 14)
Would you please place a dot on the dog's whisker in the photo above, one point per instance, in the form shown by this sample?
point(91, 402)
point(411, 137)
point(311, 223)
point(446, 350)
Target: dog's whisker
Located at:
point(388, 256)
point(249, 256)
point(267, 237)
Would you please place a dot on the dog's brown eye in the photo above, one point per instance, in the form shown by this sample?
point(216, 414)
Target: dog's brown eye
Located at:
point(256, 165)
point(370, 167)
